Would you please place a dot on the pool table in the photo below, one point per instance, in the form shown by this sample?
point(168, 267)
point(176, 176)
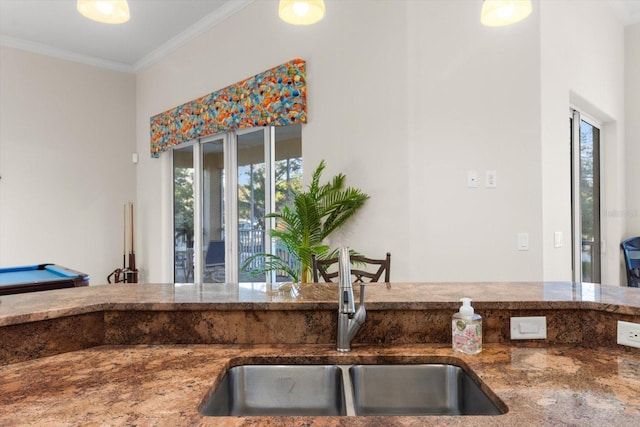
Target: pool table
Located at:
point(41, 277)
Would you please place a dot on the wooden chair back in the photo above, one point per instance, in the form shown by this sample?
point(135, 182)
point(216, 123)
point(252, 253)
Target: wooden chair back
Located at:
point(321, 268)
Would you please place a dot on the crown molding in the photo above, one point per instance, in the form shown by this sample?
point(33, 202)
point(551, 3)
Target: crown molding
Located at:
point(55, 52)
point(200, 27)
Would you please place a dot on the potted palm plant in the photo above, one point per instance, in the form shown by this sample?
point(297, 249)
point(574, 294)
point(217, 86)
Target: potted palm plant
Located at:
point(303, 226)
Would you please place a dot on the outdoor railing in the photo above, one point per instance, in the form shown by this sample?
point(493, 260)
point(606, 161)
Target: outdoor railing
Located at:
point(587, 260)
point(251, 242)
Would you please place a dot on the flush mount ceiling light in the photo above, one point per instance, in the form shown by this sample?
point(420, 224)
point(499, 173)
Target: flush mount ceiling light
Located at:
point(106, 11)
point(301, 12)
point(496, 13)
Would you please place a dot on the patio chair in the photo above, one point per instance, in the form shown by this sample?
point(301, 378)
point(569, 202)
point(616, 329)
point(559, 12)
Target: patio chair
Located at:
point(631, 250)
point(214, 268)
point(182, 267)
point(321, 268)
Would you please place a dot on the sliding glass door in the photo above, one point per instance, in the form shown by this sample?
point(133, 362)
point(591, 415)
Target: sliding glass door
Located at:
point(252, 198)
point(585, 189)
point(287, 180)
point(213, 211)
point(234, 181)
point(183, 214)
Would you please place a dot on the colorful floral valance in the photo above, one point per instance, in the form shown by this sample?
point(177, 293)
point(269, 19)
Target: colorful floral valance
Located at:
point(276, 97)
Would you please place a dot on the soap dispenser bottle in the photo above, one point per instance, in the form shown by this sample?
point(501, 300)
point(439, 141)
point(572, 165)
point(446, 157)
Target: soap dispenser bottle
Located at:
point(466, 329)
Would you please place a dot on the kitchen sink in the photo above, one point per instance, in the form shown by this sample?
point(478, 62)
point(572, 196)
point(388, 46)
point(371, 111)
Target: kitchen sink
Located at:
point(428, 389)
point(273, 390)
point(349, 390)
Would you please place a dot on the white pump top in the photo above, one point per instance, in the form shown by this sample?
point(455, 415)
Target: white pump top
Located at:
point(465, 308)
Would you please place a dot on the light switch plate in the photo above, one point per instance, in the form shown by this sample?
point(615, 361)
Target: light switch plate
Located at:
point(557, 239)
point(472, 179)
point(523, 241)
point(528, 328)
point(491, 179)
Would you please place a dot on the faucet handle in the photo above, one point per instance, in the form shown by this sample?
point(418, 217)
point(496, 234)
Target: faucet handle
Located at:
point(362, 285)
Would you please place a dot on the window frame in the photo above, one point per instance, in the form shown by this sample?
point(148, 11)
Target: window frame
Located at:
point(578, 116)
point(230, 195)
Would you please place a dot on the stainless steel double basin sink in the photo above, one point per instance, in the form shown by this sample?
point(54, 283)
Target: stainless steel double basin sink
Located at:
point(350, 390)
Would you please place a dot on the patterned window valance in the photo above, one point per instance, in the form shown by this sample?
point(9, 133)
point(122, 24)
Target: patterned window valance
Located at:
point(276, 97)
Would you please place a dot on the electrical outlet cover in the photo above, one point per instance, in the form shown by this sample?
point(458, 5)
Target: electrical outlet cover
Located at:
point(629, 334)
point(529, 328)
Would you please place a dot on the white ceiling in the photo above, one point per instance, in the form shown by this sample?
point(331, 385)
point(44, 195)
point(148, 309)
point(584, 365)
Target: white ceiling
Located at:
point(157, 27)
point(627, 10)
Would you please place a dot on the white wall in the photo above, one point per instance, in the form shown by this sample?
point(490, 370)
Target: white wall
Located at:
point(632, 134)
point(596, 66)
point(66, 137)
point(357, 110)
point(474, 105)
point(582, 64)
point(405, 98)
point(555, 148)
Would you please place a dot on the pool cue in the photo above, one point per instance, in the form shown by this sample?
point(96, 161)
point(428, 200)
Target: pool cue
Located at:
point(124, 237)
point(119, 274)
point(130, 236)
point(132, 254)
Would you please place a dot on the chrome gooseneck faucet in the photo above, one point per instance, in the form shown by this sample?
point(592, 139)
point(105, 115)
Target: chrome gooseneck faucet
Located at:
point(349, 320)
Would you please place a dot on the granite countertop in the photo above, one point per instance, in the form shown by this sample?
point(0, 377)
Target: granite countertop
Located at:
point(578, 376)
point(37, 306)
point(164, 385)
